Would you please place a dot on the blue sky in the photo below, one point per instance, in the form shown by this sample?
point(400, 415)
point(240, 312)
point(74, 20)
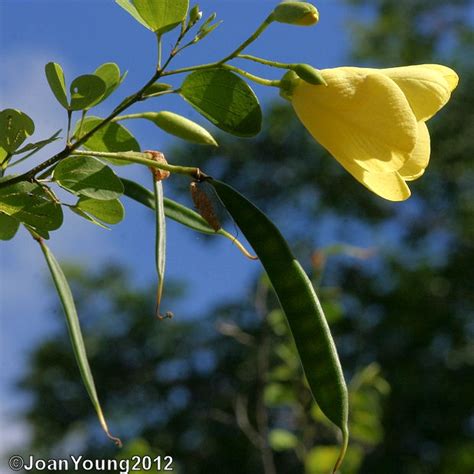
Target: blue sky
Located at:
point(81, 35)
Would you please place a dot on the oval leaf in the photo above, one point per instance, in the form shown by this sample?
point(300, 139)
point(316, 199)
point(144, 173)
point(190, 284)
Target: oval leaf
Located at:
point(8, 227)
point(110, 74)
point(300, 304)
point(55, 77)
point(225, 99)
point(75, 333)
point(129, 8)
point(88, 217)
point(28, 203)
point(15, 127)
point(111, 137)
point(110, 212)
point(162, 16)
point(86, 90)
point(37, 146)
point(87, 176)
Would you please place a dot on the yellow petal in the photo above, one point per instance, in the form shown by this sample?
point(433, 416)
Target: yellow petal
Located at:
point(360, 116)
point(427, 88)
point(389, 185)
point(420, 156)
point(449, 75)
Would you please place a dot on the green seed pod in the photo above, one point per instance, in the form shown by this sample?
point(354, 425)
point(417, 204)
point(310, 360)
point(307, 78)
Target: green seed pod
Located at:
point(181, 127)
point(288, 83)
point(296, 13)
point(309, 74)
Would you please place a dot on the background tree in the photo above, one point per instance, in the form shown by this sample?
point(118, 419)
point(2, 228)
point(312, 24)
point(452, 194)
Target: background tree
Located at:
point(223, 393)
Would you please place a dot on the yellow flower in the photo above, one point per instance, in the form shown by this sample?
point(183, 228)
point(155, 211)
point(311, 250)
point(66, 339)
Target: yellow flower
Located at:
point(373, 120)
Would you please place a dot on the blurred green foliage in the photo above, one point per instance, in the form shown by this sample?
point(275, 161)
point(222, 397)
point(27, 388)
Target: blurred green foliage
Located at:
point(224, 393)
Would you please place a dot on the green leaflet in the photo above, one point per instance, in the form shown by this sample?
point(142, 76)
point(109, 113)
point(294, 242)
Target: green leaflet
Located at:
point(8, 227)
point(129, 8)
point(29, 204)
point(56, 81)
point(110, 211)
point(161, 16)
point(225, 99)
point(300, 303)
point(15, 128)
point(86, 91)
point(112, 137)
point(110, 74)
point(87, 176)
point(75, 333)
point(36, 146)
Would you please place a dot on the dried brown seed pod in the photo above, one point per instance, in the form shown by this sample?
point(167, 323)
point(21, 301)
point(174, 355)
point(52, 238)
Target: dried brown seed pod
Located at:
point(204, 205)
point(158, 175)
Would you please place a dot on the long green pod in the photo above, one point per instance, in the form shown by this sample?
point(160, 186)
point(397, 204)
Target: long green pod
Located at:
point(300, 303)
point(75, 333)
point(160, 242)
point(178, 213)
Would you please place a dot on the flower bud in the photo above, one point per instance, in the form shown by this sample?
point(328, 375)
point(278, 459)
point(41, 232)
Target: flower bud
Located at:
point(296, 13)
point(288, 83)
point(309, 74)
point(194, 15)
point(181, 127)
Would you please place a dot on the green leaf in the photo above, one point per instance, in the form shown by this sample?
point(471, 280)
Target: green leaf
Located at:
point(86, 91)
point(162, 16)
point(87, 176)
point(88, 217)
point(55, 77)
point(111, 137)
point(75, 333)
point(36, 146)
point(129, 8)
point(110, 74)
point(224, 99)
point(311, 333)
point(4, 159)
point(110, 212)
point(15, 128)
point(28, 203)
point(8, 226)
point(281, 440)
